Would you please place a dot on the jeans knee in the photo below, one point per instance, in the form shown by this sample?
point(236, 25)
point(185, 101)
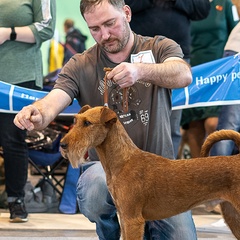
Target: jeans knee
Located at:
point(93, 197)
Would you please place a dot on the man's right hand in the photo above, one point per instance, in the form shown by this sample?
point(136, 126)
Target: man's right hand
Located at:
point(29, 118)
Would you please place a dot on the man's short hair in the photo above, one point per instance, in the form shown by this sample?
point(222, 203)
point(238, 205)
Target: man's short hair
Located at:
point(85, 5)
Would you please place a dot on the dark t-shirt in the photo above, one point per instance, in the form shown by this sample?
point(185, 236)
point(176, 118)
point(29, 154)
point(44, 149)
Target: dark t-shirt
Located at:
point(148, 117)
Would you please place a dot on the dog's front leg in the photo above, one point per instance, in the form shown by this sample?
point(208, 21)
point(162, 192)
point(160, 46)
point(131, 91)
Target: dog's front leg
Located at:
point(132, 229)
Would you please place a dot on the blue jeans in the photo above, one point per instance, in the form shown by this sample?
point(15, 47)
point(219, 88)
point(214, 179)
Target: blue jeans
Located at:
point(229, 118)
point(96, 204)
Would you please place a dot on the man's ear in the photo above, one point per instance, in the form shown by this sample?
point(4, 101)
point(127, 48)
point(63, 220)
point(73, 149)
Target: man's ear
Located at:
point(108, 117)
point(128, 12)
point(84, 108)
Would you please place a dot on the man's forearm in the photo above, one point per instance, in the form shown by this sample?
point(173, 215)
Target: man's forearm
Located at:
point(170, 74)
point(51, 105)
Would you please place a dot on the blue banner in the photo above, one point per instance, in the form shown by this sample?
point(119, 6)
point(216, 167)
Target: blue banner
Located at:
point(214, 83)
point(14, 98)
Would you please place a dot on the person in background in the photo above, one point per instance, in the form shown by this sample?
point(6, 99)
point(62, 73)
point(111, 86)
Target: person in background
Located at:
point(150, 68)
point(75, 40)
point(171, 19)
point(229, 117)
point(209, 37)
point(24, 26)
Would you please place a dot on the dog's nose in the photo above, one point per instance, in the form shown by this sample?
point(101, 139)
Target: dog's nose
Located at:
point(63, 145)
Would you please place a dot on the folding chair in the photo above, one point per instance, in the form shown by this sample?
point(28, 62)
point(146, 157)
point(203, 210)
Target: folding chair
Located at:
point(45, 157)
point(46, 165)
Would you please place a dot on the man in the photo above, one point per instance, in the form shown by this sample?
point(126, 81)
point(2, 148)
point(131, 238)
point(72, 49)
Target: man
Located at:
point(150, 68)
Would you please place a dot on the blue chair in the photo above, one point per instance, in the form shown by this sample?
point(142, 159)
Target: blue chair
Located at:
point(45, 157)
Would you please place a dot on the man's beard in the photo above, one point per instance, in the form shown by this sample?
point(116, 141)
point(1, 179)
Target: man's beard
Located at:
point(119, 44)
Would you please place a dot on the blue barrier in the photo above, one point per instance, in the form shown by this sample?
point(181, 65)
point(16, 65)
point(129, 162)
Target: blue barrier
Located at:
point(214, 83)
point(14, 98)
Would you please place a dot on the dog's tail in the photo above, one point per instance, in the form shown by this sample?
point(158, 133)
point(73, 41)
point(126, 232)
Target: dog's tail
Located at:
point(231, 217)
point(218, 136)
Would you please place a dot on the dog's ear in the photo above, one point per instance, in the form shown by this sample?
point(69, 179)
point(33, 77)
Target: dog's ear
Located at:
point(84, 108)
point(108, 116)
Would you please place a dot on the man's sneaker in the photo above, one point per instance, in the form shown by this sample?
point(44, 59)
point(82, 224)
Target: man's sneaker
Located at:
point(18, 211)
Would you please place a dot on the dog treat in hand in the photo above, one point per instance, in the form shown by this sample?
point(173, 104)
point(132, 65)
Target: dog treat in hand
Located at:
point(107, 69)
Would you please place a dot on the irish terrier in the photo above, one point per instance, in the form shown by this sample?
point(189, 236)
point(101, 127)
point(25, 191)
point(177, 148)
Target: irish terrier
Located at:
point(146, 186)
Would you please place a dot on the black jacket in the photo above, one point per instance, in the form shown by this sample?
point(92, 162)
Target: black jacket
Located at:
point(75, 43)
point(168, 18)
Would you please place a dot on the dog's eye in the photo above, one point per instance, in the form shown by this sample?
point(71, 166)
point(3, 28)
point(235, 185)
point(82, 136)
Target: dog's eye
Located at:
point(87, 123)
point(74, 120)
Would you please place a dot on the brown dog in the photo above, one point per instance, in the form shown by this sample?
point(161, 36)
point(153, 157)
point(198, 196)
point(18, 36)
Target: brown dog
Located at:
point(141, 183)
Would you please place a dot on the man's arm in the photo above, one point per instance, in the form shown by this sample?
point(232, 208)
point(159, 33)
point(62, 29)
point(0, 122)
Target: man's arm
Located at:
point(39, 114)
point(172, 73)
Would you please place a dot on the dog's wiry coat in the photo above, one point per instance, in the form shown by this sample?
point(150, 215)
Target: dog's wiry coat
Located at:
point(146, 186)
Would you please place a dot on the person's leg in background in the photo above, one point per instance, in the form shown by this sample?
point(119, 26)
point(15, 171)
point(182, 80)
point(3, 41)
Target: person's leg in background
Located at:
point(229, 118)
point(195, 135)
point(210, 125)
point(198, 131)
point(15, 154)
point(96, 204)
point(199, 122)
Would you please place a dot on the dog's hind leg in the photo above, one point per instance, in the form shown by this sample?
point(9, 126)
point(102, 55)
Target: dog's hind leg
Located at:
point(231, 217)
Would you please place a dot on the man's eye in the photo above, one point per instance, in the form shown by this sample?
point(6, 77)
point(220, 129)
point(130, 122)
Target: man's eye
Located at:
point(111, 23)
point(87, 123)
point(94, 29)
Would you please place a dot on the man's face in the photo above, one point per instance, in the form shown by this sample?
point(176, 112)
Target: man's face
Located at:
point(109, 26)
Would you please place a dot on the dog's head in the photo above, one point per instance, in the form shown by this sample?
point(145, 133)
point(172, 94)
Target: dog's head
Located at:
point(89, 130)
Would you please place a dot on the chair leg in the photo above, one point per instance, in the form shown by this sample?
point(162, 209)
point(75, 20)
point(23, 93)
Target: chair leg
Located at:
point(49, 175)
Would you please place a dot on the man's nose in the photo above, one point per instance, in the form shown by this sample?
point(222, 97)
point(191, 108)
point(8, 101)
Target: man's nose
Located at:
point(105, 33)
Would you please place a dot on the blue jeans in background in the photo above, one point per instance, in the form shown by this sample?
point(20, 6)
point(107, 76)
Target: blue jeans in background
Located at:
point(96, 204)
point(229, 118)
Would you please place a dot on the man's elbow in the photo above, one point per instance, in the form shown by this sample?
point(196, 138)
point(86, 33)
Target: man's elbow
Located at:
point(188, 79)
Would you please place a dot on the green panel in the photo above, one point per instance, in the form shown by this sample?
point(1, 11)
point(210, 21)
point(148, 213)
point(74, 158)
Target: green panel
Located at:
point(66, 9)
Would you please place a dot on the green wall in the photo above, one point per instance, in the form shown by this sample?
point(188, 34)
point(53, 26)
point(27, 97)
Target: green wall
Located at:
point(66, 9)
